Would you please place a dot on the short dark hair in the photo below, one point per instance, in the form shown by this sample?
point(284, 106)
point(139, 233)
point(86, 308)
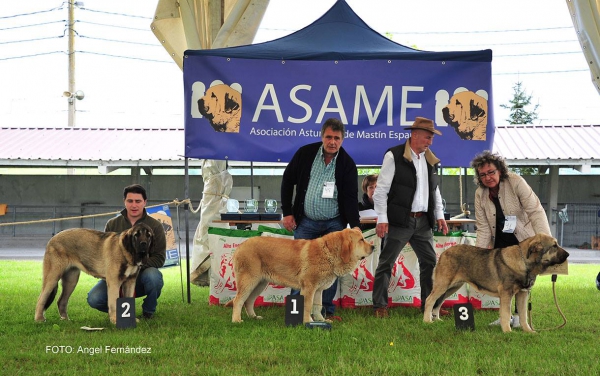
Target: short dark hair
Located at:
point(134, 188)
point(369, 180)
point(336, 125)
point(487, 157)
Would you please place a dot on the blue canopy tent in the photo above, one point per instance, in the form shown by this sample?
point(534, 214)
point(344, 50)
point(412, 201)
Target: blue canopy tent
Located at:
point(337, 67)
point(261, 102)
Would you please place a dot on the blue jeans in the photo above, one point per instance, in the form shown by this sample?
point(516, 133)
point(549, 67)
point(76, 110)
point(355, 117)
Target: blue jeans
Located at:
point(149, 283)
point(309, 229)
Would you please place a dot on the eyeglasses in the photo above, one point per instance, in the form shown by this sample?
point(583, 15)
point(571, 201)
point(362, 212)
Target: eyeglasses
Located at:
point(489, 174)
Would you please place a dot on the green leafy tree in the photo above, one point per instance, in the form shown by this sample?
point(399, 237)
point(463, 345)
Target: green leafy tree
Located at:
point(519, 114)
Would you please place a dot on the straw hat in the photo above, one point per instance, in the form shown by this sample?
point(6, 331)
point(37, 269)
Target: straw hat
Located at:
point(425, 124)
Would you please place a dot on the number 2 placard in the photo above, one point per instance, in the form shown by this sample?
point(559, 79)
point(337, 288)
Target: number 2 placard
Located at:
point(126, 313)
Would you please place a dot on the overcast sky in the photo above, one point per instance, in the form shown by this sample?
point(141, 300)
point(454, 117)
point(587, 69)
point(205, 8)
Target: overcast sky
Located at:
point(129, 80)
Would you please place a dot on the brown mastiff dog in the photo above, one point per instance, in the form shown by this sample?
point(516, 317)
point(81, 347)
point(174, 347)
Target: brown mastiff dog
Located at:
point(222, 106)
point(501, 272)
point(115, 257)
point(308, 265)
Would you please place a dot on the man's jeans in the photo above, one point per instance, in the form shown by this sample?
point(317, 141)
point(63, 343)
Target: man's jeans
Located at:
point(149, 283)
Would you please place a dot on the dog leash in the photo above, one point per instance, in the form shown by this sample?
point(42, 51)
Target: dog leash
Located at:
point(554, 277)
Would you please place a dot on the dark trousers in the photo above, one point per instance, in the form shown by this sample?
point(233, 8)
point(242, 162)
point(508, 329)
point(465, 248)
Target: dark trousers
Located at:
point(420, 236)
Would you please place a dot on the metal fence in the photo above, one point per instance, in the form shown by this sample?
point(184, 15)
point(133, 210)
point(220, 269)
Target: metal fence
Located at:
point(581, 228)
point(579, 231)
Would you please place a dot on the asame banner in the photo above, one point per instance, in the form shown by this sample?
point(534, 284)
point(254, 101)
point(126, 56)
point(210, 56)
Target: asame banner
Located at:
point(264, 110)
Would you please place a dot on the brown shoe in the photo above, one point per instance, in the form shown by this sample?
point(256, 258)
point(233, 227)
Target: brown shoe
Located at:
point(444, 312)
point(381, 313)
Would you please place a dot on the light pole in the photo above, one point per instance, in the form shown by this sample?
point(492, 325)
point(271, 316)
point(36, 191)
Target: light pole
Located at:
point(72, 95)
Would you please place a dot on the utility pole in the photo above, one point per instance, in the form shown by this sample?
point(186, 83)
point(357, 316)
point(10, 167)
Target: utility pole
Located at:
point(72, 95)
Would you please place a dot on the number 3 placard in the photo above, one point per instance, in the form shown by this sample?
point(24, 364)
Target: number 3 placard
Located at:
point(463, 316)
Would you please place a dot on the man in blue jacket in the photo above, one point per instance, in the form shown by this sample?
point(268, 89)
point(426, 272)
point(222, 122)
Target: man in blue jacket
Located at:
point(325, 179)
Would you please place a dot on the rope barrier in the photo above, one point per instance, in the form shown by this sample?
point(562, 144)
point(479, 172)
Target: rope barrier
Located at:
point(464, 207)
point(174, 202)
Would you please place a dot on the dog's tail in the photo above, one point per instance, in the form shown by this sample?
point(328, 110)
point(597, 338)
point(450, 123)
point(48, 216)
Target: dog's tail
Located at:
point(50, 298)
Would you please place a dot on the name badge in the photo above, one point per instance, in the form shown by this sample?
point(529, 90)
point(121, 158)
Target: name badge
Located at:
point(328, 188)
point(510, 224)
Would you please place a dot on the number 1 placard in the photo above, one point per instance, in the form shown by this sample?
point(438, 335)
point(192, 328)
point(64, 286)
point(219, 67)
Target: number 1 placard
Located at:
point(294, 310)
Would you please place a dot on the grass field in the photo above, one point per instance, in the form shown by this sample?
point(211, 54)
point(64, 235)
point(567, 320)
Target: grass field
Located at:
point(194, 339)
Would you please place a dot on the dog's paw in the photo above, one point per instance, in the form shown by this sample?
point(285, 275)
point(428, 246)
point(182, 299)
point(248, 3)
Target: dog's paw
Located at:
point(236, 320)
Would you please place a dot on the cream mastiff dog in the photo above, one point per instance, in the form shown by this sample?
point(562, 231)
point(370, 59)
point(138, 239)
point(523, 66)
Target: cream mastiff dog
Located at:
point(308, 265)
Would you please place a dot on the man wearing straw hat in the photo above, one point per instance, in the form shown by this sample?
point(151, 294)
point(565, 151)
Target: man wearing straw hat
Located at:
point(408, 204)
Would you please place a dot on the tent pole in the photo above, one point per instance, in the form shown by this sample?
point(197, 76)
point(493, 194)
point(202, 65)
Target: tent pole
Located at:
point(187, 228)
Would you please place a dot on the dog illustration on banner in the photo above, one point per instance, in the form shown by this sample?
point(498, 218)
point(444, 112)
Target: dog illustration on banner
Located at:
point(220, 104)
point(226, 276)
point(363, 279)
point(401, 276)
point(467, 114)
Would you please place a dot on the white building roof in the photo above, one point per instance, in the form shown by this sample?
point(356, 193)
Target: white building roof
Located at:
point(575, 146)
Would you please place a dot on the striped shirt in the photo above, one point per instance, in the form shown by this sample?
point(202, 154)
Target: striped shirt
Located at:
point(316, 207)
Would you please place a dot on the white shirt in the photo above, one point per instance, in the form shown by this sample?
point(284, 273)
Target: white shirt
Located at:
point(384, 182)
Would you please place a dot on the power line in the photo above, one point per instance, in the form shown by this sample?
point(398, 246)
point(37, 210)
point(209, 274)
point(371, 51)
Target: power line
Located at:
point(126, 57)
point(470, 45)
point(542, 72)
point(115, 14)
point(542, 53)
point(31, 40)
point(121, 41)
point(479, 31)
point(32, 13)
point(32, 25)
point(117, 26)
point(33, 55)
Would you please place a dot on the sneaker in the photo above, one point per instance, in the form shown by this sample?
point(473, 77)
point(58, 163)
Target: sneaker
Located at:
point(381, 313)
point(512, 319)
point(148, 315)
point(515, 322)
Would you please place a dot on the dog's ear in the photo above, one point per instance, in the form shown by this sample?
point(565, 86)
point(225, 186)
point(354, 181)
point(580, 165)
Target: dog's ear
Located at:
point(127, 240)
point(151, 241)
point(476, 110)
point(535, 246)
point(230, 103)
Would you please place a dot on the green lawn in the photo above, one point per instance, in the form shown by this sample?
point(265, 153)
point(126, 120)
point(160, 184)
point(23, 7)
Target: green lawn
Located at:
point(189, 339)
